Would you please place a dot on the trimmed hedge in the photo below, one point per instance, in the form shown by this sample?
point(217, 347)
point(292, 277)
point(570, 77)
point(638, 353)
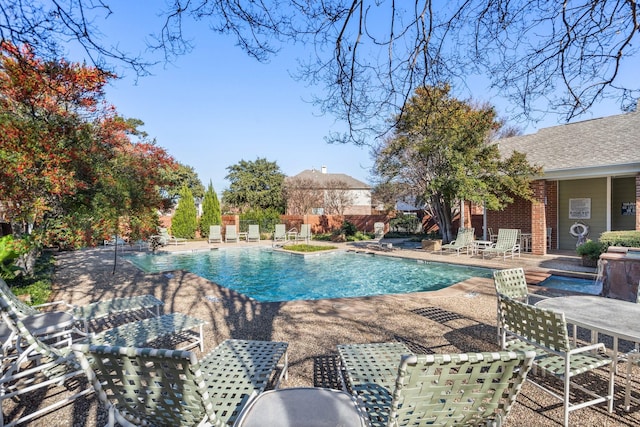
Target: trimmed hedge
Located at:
point(629, 239)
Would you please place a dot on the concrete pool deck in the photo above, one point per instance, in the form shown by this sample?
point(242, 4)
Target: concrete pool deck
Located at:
point(460, 318)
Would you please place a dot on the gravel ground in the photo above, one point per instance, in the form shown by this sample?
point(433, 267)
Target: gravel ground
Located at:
point(458, 319)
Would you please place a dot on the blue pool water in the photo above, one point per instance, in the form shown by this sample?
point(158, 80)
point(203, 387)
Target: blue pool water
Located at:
point(586, 286)
point(270, 276)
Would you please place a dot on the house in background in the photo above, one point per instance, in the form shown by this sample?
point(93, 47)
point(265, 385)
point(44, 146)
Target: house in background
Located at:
point(591, 177)
point(319, 193)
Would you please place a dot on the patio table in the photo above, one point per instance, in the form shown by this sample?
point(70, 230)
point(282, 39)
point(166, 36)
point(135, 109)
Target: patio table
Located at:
point(613, 317)
point(479, 245)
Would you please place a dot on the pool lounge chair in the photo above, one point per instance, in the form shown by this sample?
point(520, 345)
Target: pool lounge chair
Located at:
point(215, 234)
point(305, 233)
point(164, 238)
point(231, 234)
point(280, 233)
point(253, 234)
point(142, 305)
point(399, 388)
point(464, 240)
point(507, 243)
point(31, 367)
point(173, 387)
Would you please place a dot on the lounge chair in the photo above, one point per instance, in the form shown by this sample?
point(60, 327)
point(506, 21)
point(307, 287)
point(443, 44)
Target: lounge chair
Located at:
point(171, 387)
point(164, 238)
point(507, 243)
point(253, 234)
point(533, 328)
point(31, 366)
point(305, 233)
point(280, 233)
point(231, 234)
point(140, 304)
point(215, 234)
point(408, 389)
point(464, 240)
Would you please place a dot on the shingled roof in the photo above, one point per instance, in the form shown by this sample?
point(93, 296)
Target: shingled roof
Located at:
point(324, 178)
point(597, 147)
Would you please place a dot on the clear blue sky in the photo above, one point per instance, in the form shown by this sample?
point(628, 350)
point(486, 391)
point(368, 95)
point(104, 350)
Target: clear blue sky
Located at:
point(216, 106)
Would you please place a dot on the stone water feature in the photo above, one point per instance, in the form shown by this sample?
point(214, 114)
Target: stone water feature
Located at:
point(619, 270)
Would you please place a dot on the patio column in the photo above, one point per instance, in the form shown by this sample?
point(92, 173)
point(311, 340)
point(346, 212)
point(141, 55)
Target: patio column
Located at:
point(638, 202)
point(538, 218)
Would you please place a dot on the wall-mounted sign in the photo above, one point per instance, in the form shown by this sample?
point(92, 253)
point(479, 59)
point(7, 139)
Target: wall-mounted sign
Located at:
point(628, 208)
point(580, 208)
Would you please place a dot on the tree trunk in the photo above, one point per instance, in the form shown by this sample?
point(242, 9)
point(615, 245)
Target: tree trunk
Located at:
point(442, 213)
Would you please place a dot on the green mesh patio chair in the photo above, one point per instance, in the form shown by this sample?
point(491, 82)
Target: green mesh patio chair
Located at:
point(30, 367)
point(464, 240)
point(532, 328)
point(280, 233)
point(140, 305)
point(506, 243)
point(633, 358)
point(512, 283)
point(253, 233)
point(231, 234)
point(215, 234)
point(144, 386)
point(305, 233)
point(429, 389)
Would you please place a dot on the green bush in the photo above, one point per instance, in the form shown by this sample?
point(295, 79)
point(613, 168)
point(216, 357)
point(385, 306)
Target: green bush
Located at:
point(211, 214)
point(348, 228)
point(629, 239)
point(591, 249)
point(265, 218)
point(185, 220)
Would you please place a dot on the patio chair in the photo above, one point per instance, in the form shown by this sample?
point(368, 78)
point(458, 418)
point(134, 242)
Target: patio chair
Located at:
point(305, 233)
point(464, 240)
point(164, 238)
point(633, 358)
point(507, 243)
point(253, 233)
point(545, 332)
point(49, 321)
point(171, 387)
point(428, 389)
point(231, 234)
point(512, 283)
point(215, 234)
point(280, 233)
point(31, 366)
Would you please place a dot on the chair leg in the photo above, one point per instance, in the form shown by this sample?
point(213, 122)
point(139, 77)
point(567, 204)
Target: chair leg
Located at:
point(566, 399)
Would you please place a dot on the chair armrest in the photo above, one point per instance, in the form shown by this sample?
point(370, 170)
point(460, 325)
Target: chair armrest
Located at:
point(49, 304)
point(582, 349)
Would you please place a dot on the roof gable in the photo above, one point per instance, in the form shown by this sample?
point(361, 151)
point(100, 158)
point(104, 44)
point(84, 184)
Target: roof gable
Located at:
point(599, 144)
point(324, 178)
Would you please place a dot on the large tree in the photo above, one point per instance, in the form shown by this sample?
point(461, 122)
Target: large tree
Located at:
point(302, 195)
point(441, 148)
point(67, 162)
point(370, 55)
point(255, 185)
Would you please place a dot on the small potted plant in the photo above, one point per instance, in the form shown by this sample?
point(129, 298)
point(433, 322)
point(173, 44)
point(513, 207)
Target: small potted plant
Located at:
point(590, 252)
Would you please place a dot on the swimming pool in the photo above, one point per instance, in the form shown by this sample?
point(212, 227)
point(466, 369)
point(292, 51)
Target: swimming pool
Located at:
point(269, 276)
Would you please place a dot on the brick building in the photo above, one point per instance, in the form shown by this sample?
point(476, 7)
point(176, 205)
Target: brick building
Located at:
point(591, 176)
